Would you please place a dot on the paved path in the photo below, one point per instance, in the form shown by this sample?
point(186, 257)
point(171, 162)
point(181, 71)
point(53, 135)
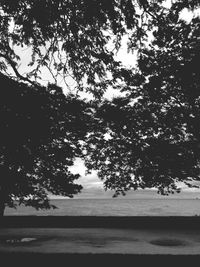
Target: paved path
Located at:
point(100, 240)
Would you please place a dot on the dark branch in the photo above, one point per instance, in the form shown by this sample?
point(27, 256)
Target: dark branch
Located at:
point(13, 65)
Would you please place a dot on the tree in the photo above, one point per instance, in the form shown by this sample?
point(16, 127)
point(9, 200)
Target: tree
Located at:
point(70, 39)
point(79, 39)
point(40, 136)
point(150, 137)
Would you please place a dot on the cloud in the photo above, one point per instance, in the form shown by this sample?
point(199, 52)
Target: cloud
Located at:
point(89, 180)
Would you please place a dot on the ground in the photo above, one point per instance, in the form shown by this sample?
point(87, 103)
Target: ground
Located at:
point(100, 241)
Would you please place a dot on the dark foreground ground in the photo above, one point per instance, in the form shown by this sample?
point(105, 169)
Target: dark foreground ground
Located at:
point(108, 241)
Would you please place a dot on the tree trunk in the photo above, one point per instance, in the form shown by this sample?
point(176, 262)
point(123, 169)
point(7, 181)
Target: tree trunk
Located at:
point(2, 202)
point(2, 209)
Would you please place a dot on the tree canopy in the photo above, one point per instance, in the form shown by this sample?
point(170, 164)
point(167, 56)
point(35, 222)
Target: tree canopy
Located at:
point(69, 38)
point(150, 137)
point(41, 130)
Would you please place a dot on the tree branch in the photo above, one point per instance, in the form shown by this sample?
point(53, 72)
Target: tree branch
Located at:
point(13, 65)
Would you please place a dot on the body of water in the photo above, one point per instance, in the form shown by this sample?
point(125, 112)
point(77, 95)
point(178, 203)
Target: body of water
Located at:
point(116, 207)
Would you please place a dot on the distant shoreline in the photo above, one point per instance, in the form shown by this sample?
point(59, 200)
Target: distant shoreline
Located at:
point(98, 193)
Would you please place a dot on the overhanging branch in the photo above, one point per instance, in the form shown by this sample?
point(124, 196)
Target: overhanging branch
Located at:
point(13, 66)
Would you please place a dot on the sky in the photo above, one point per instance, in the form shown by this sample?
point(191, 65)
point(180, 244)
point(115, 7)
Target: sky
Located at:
point(87, 181)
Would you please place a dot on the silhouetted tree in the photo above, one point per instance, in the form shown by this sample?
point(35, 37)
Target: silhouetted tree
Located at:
point(72, 39)
point(151, 137)
point(41, 129)
point(40, 134)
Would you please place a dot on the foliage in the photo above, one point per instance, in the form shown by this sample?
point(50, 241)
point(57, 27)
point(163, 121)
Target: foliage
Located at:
point(70, 38)
point(150, 137)
point(41, 129)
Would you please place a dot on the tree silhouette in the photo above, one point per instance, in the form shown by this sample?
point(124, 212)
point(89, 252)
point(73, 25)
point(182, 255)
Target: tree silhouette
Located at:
point(150, 137)
point(41, 129)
